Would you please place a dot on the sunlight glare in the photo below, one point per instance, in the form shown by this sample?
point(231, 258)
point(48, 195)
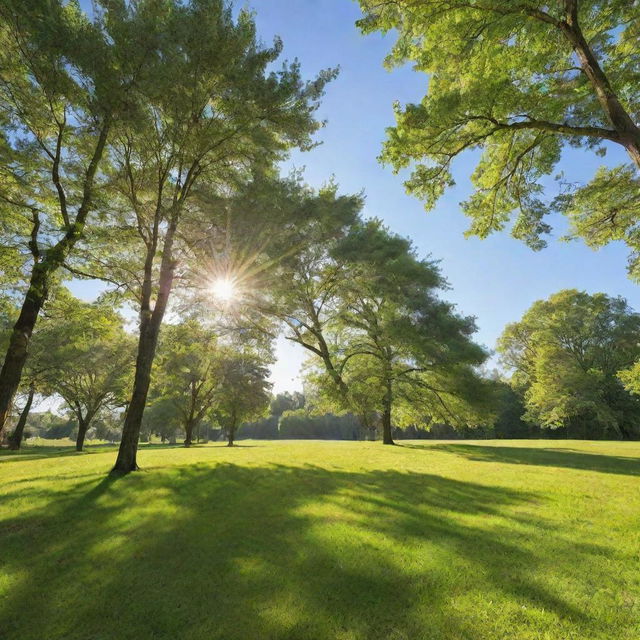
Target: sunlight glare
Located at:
point(224, 289)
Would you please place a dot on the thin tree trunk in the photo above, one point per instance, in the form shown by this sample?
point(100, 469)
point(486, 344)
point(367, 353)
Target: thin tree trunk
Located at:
point(387, 438)
point(83, 425)
point(188, 430)
point(15, 440)
point(127, 453)
point(150, 324)
point(232, 430)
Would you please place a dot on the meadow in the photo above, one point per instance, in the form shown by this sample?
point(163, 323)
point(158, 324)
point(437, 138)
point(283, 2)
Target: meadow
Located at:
point(323, 540)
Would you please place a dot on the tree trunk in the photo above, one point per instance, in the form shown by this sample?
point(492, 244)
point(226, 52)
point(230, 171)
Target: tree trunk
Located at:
point(232, 431)
point(150, 323)
point(83, 425)
point(41, 274)
point(622, 122)
point(386, 426)
point(127, 453)
point(17, 350)
point(15, 440)
point(188, 430)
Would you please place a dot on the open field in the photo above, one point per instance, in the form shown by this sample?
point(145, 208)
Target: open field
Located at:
point(323, 540)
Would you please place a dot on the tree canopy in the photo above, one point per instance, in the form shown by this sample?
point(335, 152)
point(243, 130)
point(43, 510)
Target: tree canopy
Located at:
point(66, 82)
point(520, 81)
point(567, 354)
point(394, 350)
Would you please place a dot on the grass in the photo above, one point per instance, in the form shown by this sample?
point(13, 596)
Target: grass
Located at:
point(322, 541)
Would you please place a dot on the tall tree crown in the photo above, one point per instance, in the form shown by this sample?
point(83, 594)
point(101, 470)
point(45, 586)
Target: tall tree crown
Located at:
point(519, 80)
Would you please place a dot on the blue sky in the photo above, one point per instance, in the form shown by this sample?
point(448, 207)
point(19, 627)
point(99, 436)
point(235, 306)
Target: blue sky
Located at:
point(496, 279)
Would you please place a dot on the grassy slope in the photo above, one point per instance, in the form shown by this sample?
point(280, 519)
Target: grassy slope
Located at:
point(324, 540)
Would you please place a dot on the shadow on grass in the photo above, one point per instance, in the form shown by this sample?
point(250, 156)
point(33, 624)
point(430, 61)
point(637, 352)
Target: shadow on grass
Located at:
point(230, 552)
point(546, 457)
point(37, 452)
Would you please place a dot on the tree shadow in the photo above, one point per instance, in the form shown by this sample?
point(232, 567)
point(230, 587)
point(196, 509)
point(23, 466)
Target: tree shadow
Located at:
point(547, 457)
point(37, 452)
point(278, 551)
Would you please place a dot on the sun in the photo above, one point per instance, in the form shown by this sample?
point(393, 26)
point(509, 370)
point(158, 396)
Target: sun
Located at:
point(224, 289)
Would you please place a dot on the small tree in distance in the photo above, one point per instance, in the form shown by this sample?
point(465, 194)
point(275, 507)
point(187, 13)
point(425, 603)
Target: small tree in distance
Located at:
point(244, 391)
point(83, 354)
point(187, 374)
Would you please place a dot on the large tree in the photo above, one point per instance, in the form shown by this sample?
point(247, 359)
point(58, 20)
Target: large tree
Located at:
point(401, 352)
point(305, 291)
point(520, 80)
point(214, 110)
point(66, 81)
point(566, 355)
point(273, 255)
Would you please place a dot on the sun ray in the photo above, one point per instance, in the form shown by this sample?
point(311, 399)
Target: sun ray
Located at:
point(224, 289)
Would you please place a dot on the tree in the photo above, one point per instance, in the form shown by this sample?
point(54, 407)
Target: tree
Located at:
point(213, 111)
point(401, 352)
point(509, 422)
point(302, 424)
point(286, 401)
point(187, 373)
point(305, 293)
point(566, 355)
point(519, 80)
point(15, 439)
point(244, 391)
point(83, 354)
point(161, 418)
point(66, 81)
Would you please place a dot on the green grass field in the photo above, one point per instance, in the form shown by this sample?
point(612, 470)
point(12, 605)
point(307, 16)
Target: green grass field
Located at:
point(323, 541)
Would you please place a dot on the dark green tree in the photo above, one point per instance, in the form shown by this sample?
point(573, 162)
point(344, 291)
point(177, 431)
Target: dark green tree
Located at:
point(286, 402)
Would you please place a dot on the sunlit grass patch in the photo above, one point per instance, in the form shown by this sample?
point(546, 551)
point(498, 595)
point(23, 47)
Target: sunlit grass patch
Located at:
point(323, 540)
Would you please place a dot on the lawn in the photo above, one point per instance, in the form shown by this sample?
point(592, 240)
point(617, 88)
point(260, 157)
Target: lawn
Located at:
point(322, 541)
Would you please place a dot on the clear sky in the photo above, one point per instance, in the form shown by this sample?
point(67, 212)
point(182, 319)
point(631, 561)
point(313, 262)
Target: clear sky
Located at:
point(495, 280)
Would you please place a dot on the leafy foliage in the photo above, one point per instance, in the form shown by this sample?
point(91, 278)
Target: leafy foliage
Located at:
point(520, 81)
point(82, 353)
point(396, 347)
point(187, 376)
point(567, 353)
point(245, 391)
